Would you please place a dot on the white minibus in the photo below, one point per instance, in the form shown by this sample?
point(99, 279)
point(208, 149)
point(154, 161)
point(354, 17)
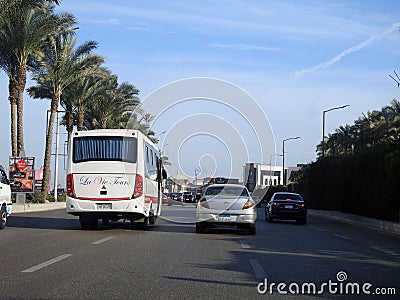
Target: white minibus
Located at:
point(113, 174)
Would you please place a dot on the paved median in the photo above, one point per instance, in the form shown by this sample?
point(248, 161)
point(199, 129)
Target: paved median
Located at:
point(33, 207)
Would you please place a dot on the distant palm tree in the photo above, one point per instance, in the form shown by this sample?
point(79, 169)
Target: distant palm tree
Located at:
point(371, 129)
point(61, 65)
point(112, 105)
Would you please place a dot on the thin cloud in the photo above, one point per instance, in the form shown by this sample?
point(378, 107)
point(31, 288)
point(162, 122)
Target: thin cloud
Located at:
point(246, 47)
point(348, 51)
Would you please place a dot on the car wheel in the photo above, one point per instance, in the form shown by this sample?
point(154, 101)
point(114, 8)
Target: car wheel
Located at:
point(252, 229)
point(199, 227)
point(270, 220)
point(301, 221)
point(3, 220)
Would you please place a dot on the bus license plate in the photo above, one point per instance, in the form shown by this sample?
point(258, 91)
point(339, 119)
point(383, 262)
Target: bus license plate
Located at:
point(103, 206)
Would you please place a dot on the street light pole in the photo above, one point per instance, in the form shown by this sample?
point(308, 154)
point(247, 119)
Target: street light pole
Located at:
point(283, 157)
point(196, 172)
point(323, 125)
point(270, 167)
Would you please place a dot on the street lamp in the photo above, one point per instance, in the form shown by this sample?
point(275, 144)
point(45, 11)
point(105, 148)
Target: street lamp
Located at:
point(323, 125)
point(283, 156)
point(270, 167)
point(196, 172)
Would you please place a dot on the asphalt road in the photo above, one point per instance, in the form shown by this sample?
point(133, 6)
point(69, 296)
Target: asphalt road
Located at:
point(47, 256)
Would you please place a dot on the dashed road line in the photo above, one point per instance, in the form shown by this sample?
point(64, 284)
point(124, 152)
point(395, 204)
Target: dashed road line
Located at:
point(341, 236)
point(319, 229)
point(257, 269)
point(46, 263)
point(103, 240)
point(244, 244)
point(387, 251)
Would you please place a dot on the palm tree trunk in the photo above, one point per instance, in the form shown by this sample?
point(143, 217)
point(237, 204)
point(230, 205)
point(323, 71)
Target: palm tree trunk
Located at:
point(49, 142)
point(21, 78)
point(103, 123)
point(81, 117)
point(70, 120)
point(12, 97)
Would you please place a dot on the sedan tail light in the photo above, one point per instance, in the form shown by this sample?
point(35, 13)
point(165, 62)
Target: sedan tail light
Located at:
point(248, 204)
point(203, 203)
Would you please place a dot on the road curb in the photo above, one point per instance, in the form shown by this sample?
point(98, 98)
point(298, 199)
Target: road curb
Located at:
point(34, 207)
point(388, 226)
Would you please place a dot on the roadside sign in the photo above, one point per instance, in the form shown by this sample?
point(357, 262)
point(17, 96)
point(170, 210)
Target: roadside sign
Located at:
point(22, 174)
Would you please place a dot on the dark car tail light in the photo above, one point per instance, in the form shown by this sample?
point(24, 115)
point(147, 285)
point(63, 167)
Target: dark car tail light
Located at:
point(203, 203)
point(248, 204)
point(70, 186)
point(138, 191)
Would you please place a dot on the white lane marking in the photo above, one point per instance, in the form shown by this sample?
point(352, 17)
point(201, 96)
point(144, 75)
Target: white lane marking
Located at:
point(46, 263)
point(319, 229)
point(257, 269)
point(244, 244)
point(103, 240)
point(387, 251)
point(342, 236)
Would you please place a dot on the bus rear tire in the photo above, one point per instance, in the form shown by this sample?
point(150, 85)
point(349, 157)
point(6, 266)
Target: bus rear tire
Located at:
point(88, 222)
point(142, 225)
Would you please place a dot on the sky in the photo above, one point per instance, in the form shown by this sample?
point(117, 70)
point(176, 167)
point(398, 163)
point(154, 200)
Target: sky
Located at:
point(294, 59)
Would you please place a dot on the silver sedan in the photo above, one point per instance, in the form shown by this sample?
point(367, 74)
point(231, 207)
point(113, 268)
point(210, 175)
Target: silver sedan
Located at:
point(226, 205)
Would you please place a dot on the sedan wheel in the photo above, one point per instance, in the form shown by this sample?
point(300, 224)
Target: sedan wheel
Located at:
point(199, 228)
point(252, 229)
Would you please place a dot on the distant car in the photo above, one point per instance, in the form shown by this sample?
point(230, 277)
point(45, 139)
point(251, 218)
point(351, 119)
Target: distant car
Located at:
point(286, 206)
point(60, 191)
point(165, 197)
point(226, 205)
point(175, 198)
point(188, 197)
point(5, 198)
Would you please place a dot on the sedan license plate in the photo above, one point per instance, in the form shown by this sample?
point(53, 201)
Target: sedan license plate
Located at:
point(225, 218)
point(103, 206)
point(289, 206)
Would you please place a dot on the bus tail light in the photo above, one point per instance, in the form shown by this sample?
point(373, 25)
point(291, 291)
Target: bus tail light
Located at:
point(70, 186)
point(138, 191)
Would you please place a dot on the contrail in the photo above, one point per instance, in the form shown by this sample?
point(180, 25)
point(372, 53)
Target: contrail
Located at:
point(346, 52)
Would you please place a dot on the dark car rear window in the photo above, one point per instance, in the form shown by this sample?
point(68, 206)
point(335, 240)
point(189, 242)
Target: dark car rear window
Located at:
point(288, 197)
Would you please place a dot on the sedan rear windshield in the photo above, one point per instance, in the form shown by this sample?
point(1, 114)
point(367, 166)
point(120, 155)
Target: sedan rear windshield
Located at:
point(288, 197)
point(104, 148)
point(227, 191)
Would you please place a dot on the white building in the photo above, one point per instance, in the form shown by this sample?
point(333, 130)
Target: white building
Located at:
point(256, 175)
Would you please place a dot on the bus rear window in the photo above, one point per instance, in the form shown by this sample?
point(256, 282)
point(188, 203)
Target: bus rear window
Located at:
point(104, 148)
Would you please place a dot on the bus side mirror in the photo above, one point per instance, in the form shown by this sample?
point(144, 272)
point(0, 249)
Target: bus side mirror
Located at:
point(164, 174)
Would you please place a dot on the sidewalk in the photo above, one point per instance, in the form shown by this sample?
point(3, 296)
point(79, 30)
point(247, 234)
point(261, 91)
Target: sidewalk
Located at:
point(388, 226)
point(33, 207)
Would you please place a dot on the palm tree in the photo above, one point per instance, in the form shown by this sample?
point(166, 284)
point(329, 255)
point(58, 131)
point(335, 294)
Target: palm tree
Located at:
point(24, 27)
point(7, 64)
point(112, 104)
point(61, 65)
